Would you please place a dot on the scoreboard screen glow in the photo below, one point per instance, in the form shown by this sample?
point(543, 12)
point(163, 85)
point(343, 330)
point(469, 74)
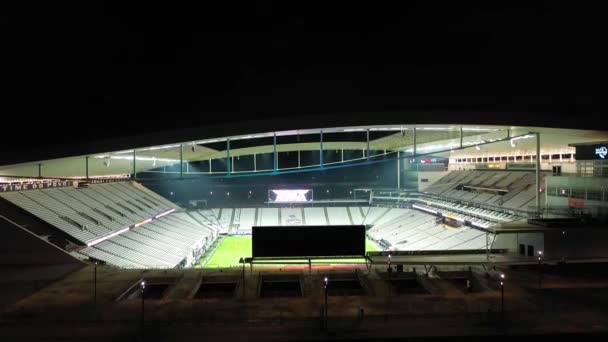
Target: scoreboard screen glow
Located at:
point(299, 195)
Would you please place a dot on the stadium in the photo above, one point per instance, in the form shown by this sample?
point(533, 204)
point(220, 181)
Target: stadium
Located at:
point(376, 215)
point(280, 171)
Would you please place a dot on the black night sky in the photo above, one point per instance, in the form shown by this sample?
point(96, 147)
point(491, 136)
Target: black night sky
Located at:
point(79, 75)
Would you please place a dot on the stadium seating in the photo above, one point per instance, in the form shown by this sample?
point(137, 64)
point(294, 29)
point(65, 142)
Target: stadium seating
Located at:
point(225, 218)
point(208, 218)
point(508, 189)
point(315, 216)
point(357, 215)
point(291, 217)
point(247, 220)
point(374, 213)
point(90, 213)
point(338, 216)
point(415, 230)
point(269, 217)
point(161, 243)
point(96, 215)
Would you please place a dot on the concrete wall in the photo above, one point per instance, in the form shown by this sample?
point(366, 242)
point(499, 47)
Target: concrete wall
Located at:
point(535, 240)
point(506, 241)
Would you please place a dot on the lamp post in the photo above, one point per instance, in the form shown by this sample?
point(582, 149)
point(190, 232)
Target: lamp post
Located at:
point(243, 261)
point(95, 286)
point(540, 259)
point(325, 284)
point(389, 270)
point(143, 288)
point(502, 293)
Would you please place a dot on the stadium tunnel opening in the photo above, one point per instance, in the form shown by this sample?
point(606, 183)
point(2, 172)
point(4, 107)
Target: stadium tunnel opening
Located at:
point(347, 284)
point(406, 283)
point(280, 285)
point(216, 289)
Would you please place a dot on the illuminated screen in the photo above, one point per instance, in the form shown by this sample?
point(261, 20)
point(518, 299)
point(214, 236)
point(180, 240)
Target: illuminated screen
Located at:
point(301, 195)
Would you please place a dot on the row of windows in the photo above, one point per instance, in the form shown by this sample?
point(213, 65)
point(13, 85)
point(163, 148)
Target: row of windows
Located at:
point(592, 168)
point(592, 195)
point(545, 157)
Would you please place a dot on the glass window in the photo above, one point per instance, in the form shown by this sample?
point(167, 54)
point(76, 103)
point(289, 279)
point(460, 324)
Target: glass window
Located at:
point(594, 195)
point(578, 193)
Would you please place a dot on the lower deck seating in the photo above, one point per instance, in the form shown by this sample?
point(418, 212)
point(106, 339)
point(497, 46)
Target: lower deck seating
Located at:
point(415, 230)
point(163, 243)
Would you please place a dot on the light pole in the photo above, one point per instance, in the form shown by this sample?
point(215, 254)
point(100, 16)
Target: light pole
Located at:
point(389, 270)
point(143, 288)
point(502, 293)
point(540, 259)
point(325, 283)
point(243, 261)
point(95, 286)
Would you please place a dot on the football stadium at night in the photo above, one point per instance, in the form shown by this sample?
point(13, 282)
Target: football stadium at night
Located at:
point(312, 228)
point(265, 173)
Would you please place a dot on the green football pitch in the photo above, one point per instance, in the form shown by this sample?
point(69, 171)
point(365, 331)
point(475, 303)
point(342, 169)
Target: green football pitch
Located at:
point(230, 251)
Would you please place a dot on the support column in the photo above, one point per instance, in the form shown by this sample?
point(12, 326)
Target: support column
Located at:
point(228, 156)
point(487, 247)
point(255, 165)
point(367, 153)
point(209, 165)
point(39, 170)
point(134, 166)
point(537, 171)
point(398, 170)
point(414, 141)
point(321, 149)
point(276, 159)
point(343, 154)
point(86, 167)
point(460, 136)
point(299, 159)
point(181, 161)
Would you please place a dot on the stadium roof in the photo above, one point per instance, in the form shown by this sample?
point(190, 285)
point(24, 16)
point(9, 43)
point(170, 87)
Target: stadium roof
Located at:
point(440, 140)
